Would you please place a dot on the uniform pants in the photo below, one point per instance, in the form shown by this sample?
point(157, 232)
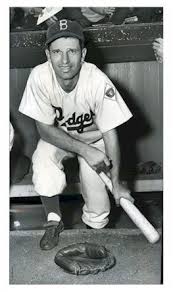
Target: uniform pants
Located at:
point(49, 180)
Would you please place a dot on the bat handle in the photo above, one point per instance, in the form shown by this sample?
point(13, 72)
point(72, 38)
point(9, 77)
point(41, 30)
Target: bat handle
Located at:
point(106, 180)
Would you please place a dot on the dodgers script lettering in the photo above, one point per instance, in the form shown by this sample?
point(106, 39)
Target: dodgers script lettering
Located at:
point(75, 122)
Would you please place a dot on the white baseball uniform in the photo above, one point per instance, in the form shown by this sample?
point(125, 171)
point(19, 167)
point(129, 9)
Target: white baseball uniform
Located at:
point(93, 100)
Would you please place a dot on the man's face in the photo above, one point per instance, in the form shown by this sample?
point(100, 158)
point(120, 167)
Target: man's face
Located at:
point(66, 57)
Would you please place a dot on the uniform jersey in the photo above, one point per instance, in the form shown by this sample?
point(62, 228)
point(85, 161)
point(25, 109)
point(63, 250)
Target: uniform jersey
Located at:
point(93, 100)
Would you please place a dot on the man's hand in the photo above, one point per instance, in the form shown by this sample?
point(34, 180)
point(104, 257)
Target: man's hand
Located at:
point(96, 158)
point(120, 191)
point(158, 49)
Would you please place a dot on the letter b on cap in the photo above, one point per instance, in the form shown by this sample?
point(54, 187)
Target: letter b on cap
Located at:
point(63, 24)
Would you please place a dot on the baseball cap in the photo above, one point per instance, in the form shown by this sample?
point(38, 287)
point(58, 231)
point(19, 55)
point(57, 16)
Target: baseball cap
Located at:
point(64, 28)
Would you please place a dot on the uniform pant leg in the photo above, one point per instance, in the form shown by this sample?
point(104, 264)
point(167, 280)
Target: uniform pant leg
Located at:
point(97, 204)
point(48, 177)
point(48, 173)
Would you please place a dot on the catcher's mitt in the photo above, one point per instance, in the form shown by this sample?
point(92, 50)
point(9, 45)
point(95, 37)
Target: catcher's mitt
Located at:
point(84, 258)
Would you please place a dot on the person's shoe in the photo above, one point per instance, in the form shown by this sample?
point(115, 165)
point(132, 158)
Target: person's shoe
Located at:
point(51, 236)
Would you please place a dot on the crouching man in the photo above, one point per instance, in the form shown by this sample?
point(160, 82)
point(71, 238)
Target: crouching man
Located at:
point(77, 109)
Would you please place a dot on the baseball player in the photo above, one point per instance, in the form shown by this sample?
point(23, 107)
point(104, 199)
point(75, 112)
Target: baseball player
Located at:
point(77, 109)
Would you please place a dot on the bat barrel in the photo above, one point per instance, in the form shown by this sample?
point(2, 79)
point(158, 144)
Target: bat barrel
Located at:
point(138, 218)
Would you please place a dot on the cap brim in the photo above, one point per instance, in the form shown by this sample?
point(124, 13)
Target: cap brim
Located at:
point(64, 34)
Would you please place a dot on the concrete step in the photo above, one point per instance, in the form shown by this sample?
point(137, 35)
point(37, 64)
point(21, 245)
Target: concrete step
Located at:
point(28, 213)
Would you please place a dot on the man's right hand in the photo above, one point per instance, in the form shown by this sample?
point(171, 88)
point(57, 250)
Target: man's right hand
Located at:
point(95, 158)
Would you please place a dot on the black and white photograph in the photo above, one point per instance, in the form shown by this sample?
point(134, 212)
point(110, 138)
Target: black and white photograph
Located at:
point(86, 144)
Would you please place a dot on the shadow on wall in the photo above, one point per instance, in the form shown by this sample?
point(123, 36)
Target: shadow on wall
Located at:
point(130, 133)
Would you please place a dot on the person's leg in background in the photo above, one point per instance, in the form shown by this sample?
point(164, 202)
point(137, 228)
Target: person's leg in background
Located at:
point(97, 204)
point(49, 181)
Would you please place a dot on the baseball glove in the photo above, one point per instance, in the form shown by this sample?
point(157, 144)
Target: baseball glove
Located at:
point(84, 258)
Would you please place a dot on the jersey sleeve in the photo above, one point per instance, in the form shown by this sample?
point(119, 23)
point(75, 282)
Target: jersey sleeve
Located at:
point(110, 108)
point(35, 102)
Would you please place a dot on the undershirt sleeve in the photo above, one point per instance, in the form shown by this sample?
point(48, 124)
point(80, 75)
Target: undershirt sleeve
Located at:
point(35, 102)
point(110, 109)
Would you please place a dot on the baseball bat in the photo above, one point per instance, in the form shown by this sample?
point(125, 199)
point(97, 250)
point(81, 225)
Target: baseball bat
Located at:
point(136, 216)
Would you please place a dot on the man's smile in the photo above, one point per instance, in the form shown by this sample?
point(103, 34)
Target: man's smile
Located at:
point(65, 68)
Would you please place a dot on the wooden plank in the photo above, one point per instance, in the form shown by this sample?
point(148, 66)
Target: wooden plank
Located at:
point(139, 186)
point(31, 57)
